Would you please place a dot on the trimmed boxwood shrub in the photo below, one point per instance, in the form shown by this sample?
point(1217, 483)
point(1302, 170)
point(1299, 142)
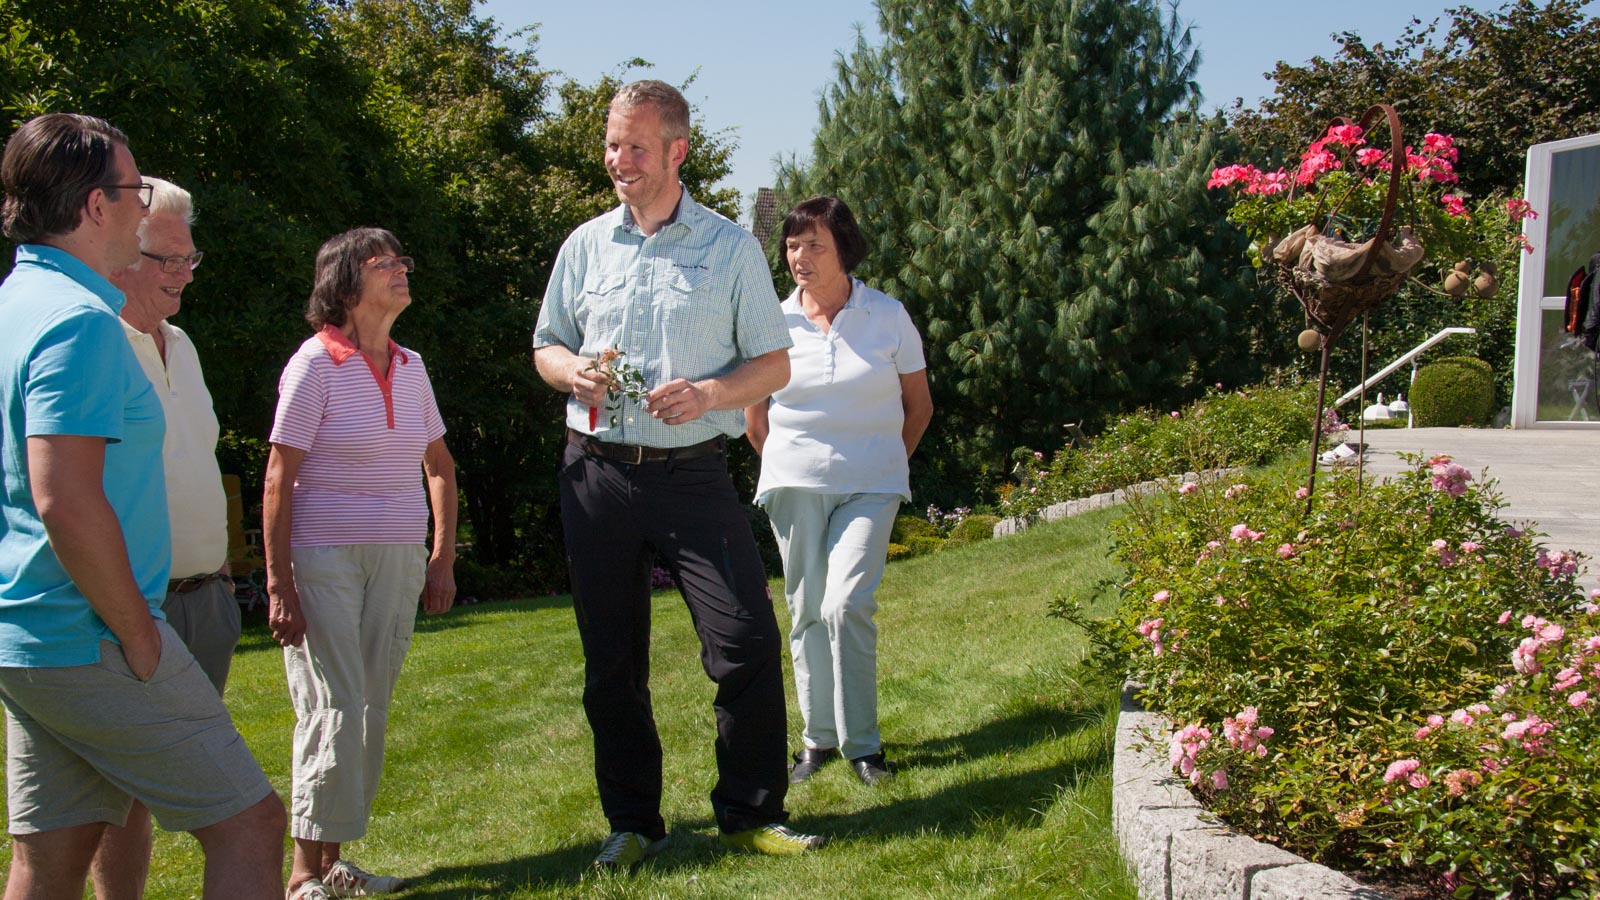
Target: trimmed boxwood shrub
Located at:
point(907, 527)
point(898, 551)
point(972, 529)
point(1456, 390)
point(920, 545)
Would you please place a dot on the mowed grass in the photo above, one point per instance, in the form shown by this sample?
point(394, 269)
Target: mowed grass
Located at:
point(1003, 786)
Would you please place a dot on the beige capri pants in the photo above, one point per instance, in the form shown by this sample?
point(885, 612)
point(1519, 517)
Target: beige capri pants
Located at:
point(360, 604)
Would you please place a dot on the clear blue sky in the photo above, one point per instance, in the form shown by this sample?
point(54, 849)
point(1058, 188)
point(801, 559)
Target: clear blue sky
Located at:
point(762, 66)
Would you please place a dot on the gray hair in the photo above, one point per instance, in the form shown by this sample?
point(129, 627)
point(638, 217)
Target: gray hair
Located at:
point(663, 98)
point(168, 198)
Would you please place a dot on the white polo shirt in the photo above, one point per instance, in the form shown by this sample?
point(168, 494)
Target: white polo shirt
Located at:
point(196, 505)
point(835, 428)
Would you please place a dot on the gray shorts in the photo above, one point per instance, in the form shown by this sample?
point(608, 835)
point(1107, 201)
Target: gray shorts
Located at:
point(207, 618)
point(81, 741)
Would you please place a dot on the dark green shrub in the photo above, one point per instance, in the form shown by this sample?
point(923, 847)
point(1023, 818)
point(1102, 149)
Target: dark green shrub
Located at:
point(920, 545)
point(973, 529)
point(1456, 390)
point(906, 527)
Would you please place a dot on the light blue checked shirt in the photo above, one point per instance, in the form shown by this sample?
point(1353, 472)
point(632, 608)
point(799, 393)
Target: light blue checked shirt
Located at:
point(694, 300)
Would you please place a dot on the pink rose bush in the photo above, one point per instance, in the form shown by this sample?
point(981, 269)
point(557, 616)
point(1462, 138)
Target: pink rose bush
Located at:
point(1519, 761)
point(1399, 655)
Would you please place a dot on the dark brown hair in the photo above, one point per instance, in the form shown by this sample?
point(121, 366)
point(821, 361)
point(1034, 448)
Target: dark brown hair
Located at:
point(51, 164)
point(337, 283)
point(830, 213)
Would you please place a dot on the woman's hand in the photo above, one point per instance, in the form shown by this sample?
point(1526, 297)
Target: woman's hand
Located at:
point(284, 615)
point(439, 590)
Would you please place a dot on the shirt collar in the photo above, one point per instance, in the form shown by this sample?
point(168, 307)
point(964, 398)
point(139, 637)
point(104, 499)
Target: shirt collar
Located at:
point(47, 257)
point(340, 347)
point(684, 212)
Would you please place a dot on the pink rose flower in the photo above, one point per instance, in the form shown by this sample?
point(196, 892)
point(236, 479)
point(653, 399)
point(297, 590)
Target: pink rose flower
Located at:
point(1189, 487)
point(1400, 770)
point(1242, 532)
point(1219, 780)
point(1302, 493)
point(1285, 551)
point(1577, 699)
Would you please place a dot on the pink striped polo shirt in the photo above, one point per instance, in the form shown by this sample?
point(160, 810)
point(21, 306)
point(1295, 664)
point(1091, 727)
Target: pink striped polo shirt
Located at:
point(364, 437)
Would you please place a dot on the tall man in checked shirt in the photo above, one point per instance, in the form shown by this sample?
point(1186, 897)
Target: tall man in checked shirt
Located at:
point(687, 298)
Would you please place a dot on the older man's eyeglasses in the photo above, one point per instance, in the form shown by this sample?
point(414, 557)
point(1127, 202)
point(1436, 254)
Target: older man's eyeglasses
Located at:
point(145, 189)
point(390, 263)
point(174, 264)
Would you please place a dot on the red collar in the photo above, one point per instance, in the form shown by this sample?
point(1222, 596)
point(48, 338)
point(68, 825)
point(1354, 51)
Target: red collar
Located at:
point(340, 348)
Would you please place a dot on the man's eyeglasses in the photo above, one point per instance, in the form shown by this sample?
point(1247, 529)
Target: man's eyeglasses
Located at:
point(390, 263)
point(145, 189)
point(175, 264)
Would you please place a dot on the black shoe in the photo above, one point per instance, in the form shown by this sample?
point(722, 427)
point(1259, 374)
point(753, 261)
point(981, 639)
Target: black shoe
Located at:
point(807, 762)
point(872, 769)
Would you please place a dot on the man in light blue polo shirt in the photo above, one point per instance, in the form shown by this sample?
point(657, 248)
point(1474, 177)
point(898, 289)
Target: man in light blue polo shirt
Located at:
point(103, 702)
point(685, 297)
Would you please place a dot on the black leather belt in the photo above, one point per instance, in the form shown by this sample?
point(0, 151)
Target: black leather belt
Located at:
point(195, 583)
point(636, 454)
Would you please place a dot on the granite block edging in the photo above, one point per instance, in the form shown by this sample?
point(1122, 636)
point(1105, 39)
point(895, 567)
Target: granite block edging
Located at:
point(1069, 508)
point(1175, 853)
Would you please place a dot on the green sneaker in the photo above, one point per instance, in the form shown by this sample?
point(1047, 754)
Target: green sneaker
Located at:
point(772, 840)
point(623, 851)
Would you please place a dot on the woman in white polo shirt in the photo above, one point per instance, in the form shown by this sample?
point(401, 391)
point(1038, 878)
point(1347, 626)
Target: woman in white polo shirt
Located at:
point(834, 444)
point(358, 458)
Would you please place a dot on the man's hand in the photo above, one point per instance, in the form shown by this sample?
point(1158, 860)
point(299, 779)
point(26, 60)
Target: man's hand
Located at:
point(143, 653)
point(678, 401)
point(589, 385)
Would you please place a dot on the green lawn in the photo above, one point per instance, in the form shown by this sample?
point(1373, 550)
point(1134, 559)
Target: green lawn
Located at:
point(1004, 763)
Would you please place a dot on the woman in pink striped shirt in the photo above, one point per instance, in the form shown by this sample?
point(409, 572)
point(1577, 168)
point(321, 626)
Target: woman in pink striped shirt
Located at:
point(358, 457)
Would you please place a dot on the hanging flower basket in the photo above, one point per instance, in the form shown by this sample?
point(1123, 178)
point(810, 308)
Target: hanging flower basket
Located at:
point(1334, 279)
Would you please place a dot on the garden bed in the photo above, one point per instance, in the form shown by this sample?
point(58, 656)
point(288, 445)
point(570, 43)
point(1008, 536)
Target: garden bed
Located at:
point(1395, 681)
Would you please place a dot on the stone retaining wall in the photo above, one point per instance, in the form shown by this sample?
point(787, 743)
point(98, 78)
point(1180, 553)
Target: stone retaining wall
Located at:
point(1018, 524)
point(1176, 854)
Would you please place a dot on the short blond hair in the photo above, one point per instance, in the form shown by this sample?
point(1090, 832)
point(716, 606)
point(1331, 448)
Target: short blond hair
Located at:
point(665, 99)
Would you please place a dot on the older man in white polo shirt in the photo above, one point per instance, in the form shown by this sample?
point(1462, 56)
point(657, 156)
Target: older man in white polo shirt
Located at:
point(200, 605)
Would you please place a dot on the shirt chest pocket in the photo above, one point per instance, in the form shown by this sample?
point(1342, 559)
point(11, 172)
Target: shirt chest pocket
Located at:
point(691, 306)
point(605, 305)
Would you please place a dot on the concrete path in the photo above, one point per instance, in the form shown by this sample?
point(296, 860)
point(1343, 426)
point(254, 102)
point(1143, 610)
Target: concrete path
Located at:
point(1548, 476)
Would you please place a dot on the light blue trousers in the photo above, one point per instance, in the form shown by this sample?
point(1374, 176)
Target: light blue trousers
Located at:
point(834, 548)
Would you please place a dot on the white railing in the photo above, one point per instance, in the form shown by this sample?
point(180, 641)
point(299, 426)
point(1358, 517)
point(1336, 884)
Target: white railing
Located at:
point(1409, 357)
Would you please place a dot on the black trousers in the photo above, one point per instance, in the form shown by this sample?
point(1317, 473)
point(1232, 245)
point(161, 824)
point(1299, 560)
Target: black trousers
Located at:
point(616, 516)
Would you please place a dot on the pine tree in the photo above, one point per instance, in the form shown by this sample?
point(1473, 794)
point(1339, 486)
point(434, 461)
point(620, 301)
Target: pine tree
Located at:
point(1030, 175)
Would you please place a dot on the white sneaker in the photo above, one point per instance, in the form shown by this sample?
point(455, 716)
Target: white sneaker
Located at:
point(311, 889)
point(346, 879)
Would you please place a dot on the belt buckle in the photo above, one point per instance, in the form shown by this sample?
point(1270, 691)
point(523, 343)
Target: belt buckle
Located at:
point(638, 454)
